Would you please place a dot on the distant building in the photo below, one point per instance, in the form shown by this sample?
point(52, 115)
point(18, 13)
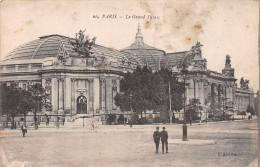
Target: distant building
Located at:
point(82, 78)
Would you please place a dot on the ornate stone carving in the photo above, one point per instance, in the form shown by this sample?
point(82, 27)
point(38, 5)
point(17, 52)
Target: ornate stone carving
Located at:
point(114, 85)
point(196, 49)
point(228, 71)
point(48, 86)
point(102, 79)
point(228, 62)
point(81, 91)
point(60, 79)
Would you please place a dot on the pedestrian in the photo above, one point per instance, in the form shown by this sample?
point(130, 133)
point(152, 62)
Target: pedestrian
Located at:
point(58, 122)
point(156, 138)
point(92, 125)
point(24, 129)
point(47, 120)
point(63, 121)
point(35, 123)
point(164, 139)
point(131, 124)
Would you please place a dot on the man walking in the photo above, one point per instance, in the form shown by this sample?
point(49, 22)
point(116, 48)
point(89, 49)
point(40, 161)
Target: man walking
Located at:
point(164, 139)
point(156, 138)
point(24, 129)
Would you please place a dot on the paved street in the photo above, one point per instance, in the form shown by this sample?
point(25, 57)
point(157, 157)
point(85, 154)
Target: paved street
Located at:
point(235, 145)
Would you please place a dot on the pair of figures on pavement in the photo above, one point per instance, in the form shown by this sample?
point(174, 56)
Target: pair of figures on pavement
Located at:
point(163, 135)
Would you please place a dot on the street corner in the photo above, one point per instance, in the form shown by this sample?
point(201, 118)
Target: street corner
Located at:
point(191, 142)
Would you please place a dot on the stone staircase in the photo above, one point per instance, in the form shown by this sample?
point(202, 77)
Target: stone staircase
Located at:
point(83, 120)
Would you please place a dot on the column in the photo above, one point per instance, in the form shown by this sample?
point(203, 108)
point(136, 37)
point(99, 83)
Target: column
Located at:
point(61, 93)
point(232, 93)
point(87, 95)
point(187, 94)
point(104, 95)
point(43, 83)
point(67, 93)
point(108, 94)
point(228, 92)
point(208, 91)
point(118, 90)
point(91, 97)
point(202, 98)
point(54, 94)
point(96, 93)
point(196, 93)
point(101, 94)
point(73, 106)
point(191, 89)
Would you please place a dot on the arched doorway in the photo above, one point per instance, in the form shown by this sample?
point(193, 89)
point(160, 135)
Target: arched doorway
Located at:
point(81, 105)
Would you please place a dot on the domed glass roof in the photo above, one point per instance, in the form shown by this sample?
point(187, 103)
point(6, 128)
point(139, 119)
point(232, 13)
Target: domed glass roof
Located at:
point(49, 46)
point(153, 57)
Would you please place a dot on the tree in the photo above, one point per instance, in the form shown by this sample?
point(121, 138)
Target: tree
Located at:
point(111, 118)
point(176, 89)
point(250, 110)
point(121, 119)
point(193, 108)
point(38, 99)
point(10, 96)
point(142, 90)
point(213, 103)
point(25, 104)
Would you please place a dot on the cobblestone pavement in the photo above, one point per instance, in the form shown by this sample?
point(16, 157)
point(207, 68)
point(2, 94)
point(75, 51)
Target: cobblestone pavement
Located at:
point(235, 145)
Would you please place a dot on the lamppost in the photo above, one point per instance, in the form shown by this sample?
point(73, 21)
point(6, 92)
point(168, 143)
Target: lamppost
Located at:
point(170, 100)
point(184, 71)
point(130, 97)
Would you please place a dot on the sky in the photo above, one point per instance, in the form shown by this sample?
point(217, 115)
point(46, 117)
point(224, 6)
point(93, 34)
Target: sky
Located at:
point(223, 27)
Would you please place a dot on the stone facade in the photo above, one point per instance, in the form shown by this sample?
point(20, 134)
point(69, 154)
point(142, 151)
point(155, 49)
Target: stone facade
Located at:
point(86, 85)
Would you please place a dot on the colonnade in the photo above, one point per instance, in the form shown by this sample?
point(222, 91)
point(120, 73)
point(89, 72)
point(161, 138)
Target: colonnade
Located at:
point(201, 89)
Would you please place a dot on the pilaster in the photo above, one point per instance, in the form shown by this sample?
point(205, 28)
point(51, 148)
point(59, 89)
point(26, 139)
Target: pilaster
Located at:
point(54, 94)
point(96, 86)
point(73, 105)
point(108, 94)
point(61, 93)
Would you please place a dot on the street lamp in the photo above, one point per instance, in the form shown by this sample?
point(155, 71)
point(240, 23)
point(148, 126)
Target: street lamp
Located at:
point(184, 71)
point(170, 100)
point(130, 97)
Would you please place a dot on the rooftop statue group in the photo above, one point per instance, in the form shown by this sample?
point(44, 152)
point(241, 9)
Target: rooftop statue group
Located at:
point(82, 44)
point(244, 83)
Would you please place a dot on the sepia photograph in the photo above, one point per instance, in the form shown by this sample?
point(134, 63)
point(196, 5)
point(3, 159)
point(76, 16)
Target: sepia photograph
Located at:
point(139, 83)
